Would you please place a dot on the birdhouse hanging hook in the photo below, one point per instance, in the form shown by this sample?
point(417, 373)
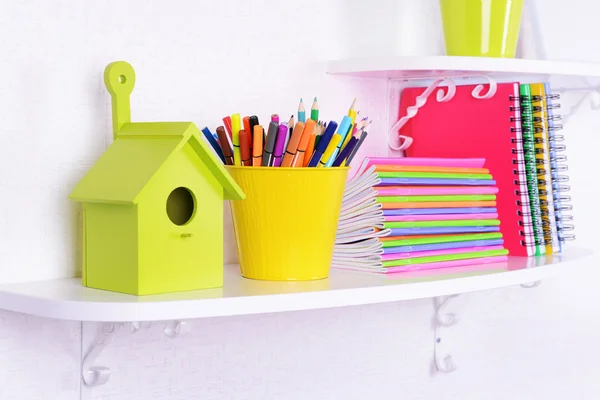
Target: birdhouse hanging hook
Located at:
point(119, 78)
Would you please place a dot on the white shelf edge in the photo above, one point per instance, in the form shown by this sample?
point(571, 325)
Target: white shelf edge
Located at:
point(428, 66)
point(67, 299)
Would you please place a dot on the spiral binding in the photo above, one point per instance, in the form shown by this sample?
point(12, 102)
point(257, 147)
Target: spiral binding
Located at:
point(557, 165)
point(538, 209)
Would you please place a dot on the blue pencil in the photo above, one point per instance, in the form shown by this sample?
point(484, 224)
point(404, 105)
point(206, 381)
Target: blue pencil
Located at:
point(322, 146)
point(213, 143)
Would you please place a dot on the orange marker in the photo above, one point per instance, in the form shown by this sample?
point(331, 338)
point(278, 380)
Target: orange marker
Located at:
point(246, 122)
point(309, 128)
point(245, 148)
point(257, 149)
point(309, 150)
point(292, 146)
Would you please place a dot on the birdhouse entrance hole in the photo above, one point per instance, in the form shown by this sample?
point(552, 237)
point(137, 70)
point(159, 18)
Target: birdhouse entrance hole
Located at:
point(180, 206)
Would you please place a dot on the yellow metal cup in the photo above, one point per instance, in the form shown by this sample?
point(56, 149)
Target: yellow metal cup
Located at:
point(285, 228)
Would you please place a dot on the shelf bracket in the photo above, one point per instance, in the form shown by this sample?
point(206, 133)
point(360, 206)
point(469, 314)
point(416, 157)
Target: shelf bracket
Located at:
point(531, 285)
point(442, 361)
point(94, 375)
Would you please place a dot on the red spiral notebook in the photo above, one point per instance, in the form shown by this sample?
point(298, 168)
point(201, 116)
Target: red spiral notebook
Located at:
point(467, 127)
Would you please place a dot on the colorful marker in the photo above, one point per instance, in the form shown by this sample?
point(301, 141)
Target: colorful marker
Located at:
point(245, 148)
point(226, 146)
point(236, 125)
point(270, 145)
point(257, 149)
point(279, 144)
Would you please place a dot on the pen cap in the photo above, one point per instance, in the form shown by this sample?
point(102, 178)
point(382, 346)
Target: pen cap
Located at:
point(281, 135)
point(344, 126)
point(271, 136)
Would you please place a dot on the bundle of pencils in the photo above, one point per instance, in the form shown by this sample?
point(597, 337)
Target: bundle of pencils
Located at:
point(306, 143)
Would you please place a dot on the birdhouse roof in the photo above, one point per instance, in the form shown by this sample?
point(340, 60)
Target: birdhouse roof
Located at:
point(136, 155)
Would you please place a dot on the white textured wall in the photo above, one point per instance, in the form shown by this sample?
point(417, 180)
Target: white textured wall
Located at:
point(199, 60)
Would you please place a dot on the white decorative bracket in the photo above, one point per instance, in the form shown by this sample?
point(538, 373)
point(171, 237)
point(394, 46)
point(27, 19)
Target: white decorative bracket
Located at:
point(442, 360)
point(94, 375)
point(400, 142)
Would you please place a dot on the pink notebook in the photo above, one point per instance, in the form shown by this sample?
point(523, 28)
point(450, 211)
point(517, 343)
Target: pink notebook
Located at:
point(466, 127)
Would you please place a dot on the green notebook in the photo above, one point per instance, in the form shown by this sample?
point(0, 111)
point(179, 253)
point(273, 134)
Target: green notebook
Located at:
point(528, 131)
point(442, 239)
point(436, 224)
point(457, 197)
point(437, 175)
point(446, 257)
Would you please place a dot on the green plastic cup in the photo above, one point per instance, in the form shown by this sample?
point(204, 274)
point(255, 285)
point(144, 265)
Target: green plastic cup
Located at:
point(481, 28)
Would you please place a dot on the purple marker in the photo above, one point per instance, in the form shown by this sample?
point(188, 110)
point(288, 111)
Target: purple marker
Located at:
point(279, 145)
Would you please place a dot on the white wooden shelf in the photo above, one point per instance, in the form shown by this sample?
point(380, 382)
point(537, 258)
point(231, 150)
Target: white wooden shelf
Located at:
point(67, 299)
point(415, 67)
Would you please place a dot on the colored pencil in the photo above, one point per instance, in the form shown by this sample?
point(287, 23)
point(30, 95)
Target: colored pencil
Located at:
point(320, 130)
point(245, 148)
point(279, 143)
point(335, 140)
point(309, 150)
point(314, 110)
point(290, 150)
point(301, 112)
point(248, 129)
point(352, 111)
point(309, 128)
point(289, 134)
point(322, 145)
point(257, 149)
point(235, 136)
point(291, 124)
point(275, 118)
point(270, 145)
point(213, 143)
point(227, 122)
point(225, 141)
point(363, 136)
point(346, 151)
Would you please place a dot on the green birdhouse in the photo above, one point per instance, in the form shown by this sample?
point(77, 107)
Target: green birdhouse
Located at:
point(152, 204)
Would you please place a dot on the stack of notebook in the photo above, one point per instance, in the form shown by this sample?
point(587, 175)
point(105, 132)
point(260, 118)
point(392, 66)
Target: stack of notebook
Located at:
point(516, 131)
point(411, 214)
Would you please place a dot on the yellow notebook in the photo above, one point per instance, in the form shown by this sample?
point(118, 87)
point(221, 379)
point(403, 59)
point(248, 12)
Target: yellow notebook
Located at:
point(544, 172)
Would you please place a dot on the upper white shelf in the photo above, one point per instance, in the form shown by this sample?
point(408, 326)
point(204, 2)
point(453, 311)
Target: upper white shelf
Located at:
point(67, 299)
point(414, 67)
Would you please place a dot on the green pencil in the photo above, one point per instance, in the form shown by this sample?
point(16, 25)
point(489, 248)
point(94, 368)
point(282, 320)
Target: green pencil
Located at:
point(442, 239)
point(436, 224)
point(314, 110)
point(446, 257)
point(466, 197)
point(439, 175)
